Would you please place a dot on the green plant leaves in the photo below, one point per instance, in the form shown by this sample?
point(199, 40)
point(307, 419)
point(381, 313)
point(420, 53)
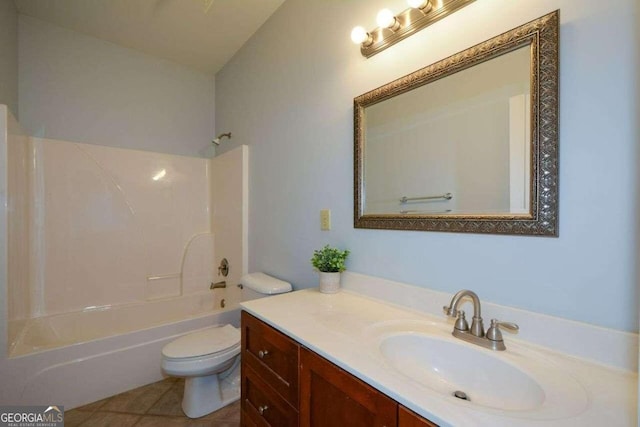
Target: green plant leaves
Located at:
point(329, 260)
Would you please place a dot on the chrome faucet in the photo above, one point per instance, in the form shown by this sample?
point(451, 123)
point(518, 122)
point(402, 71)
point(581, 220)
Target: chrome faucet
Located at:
point(476, 335)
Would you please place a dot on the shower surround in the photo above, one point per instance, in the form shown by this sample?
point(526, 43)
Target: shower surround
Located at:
point(104, 242)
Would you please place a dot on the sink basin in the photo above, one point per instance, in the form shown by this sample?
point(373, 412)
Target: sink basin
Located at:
point(448, 367)
point(492, 381)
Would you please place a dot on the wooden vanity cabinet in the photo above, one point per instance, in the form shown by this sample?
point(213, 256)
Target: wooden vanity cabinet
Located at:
point(286, 385)
point(407, 418)
point(329, 396)
point(269, 375)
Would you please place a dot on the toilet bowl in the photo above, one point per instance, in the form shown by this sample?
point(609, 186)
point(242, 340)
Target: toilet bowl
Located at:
point(209, 359)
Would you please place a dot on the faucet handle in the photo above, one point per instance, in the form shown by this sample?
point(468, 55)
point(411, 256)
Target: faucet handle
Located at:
point(510, 326)
point(495, 334)
point(461, 322)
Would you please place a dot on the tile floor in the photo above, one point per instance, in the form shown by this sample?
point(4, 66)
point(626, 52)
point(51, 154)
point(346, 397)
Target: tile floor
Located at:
point(154, 405)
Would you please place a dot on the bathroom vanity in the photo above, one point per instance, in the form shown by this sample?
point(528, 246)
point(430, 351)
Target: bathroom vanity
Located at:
point(286, 384)
point(362, 358)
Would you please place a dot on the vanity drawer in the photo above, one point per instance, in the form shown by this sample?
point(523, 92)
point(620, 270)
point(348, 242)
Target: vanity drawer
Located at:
point(261, 405)
point(272, 355)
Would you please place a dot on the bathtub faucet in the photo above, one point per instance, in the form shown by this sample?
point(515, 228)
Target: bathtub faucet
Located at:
point(218, 285)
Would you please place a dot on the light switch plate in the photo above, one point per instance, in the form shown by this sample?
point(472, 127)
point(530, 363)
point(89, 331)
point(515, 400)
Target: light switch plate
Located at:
point(325, 219)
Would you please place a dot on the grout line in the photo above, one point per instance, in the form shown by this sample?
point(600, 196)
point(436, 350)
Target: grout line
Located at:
point(90, 420)
point(169, 417)
point(107, 399)
point(161, 396)
point(228, 418)
point(115, 411)
point(136, 421)
point(93, 411)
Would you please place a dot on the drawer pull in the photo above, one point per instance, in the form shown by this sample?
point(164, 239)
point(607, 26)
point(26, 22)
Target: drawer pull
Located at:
point(262, 409)
point(263, 353)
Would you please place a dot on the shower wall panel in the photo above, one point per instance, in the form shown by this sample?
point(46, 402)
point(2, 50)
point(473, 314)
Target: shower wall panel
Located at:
point(113, 225)
point(18, 168)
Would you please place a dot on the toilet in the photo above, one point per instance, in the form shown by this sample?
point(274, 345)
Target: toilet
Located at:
point(209, 359)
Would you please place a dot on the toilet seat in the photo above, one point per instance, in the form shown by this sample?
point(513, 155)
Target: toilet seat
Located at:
point(205, 352)
point(210, 341)
point(201, 365)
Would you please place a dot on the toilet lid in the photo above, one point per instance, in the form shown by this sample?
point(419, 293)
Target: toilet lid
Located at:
point(202, 343)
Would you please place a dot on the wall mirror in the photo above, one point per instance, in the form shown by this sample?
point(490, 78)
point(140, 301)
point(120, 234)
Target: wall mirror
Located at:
point(468, 144)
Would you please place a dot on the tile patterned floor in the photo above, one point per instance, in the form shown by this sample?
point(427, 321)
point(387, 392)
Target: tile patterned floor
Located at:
point(154, 405)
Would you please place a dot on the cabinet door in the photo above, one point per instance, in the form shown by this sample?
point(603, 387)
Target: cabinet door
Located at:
point(407, 418)
point(331, 397)
point(272, 355)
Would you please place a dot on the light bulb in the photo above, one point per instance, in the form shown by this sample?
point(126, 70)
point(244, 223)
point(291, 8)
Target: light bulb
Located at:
point(385, 18)
point(359, 35)
point(418, 4)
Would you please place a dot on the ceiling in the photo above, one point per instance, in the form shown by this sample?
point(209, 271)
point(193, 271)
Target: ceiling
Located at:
point(200, 34)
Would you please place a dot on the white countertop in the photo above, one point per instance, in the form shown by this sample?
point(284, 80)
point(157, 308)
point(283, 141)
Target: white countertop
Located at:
point(345, 328)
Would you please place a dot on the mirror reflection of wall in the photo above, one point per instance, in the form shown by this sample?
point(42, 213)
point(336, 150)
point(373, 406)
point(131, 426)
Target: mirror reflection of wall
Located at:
point(467, 134)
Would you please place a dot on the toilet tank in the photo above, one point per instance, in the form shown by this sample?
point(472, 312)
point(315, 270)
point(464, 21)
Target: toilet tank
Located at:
point(260, 285)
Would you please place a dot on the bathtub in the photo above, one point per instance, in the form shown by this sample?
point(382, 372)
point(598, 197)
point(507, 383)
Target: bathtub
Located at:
point(72, 359)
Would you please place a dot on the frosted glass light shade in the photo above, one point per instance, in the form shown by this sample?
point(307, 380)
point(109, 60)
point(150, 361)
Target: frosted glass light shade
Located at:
point(418, 4)
point(359, 35)
point(385, 18)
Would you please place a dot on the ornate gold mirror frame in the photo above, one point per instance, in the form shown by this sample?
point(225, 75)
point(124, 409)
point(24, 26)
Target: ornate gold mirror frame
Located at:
point(542, 220)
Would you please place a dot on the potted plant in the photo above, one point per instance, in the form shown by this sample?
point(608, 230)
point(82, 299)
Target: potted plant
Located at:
point(330, 263)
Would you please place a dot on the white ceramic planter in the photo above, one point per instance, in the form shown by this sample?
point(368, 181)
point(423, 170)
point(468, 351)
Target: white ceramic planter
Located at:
point(329, 283)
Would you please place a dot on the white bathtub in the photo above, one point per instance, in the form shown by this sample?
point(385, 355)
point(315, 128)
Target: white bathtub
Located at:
point(76, 358)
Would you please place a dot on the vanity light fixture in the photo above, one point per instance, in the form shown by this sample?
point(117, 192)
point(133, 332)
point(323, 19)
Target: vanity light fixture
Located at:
point(393, 28)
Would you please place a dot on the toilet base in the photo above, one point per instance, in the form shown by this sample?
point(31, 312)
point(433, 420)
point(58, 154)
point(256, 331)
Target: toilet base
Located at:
point(206, 394)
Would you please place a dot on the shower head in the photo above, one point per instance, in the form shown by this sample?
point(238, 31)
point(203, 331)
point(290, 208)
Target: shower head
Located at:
point(222, 135)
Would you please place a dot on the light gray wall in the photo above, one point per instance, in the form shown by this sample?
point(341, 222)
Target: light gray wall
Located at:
point(637, 157)
point(9, 55)
point(78, 88)
point(288, 94)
